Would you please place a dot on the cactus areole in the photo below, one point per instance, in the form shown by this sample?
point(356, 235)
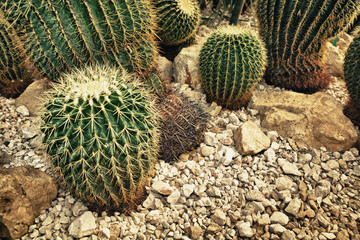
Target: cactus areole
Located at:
point(101, 136)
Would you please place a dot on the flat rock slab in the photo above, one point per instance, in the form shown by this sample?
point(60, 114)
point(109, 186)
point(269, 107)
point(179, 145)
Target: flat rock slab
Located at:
point(313, 121)
point(24, 193)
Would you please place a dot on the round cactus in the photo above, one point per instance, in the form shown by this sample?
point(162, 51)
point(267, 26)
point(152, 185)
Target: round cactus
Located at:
point(177, 20)
point(352, 79)
point(182, 122)
point(63, 35)
point(101, 135)
point(232, 62)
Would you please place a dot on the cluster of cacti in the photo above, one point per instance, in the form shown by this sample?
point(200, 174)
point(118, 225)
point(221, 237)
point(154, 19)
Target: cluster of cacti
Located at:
point(352, 79)
point(67, 34)
point(295, 33)
point(101, 135)
point(232, 62)
point(177, 20)
point(13, 77)
point(182, 124)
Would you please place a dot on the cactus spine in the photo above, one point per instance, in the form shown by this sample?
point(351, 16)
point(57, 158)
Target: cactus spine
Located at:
point(62, 35)
point(177, 20)
point(295, 32)
point(352, 79)
point(182, 124)
point(232, 62)
point(101, 136)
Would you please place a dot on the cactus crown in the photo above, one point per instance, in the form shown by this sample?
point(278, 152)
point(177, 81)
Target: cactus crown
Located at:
point(232, 62)
point(101, 136)
point(295, 32)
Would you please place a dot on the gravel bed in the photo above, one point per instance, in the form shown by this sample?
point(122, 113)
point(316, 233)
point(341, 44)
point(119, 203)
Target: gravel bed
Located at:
point(212, 192)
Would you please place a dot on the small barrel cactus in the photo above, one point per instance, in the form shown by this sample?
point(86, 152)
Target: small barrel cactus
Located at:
point(352, 79)
point(182, 122)
point(295, 33)
point(67, 34)
point(177, 20)
point(232, 62)
point(158, 84)
point(101, 135)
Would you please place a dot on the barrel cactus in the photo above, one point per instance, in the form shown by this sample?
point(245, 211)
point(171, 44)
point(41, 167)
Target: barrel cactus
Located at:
point(295, 33)
point(232, 62)
point(177, 20)
point(13, 76)
point(101, 136)
point(352, 79)
point(182, 124)
point(158, 84)
point(67, 34)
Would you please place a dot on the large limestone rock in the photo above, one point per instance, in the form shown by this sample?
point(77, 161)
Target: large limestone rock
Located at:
point(334, 56)
point(249, 139)
point(186, 65)
point(312, 121)
point(24, 193)
point(31, 98)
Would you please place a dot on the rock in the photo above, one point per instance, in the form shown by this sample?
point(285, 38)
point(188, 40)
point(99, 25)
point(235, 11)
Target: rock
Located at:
point(279, 217)
point(291, 168)
point(83, 226)
point(165, 67)
point(334, 60)
point(23, 110)
point(195, 232)
point(254, 195)
point(162, 188)
point(249, 139)
point(186, 66)
point(288, 235)
point(219, 217)
point(312, 121)
point(173, 197)
point(213, 192)
point(24, 193)
point(293, 206)
point(153, 217)
point(264, 220)
point(207, 151)
point(284, 183)
point(210, 139)
point(213, 228)
point(245, 229)
point(32, 96)
point(188, 189)
point(277, 228)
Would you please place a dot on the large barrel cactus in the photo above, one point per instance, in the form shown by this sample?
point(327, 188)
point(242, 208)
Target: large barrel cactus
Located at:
point(295, 33)
point(66, 34)
point(352, 79)
point(232, 62)
point(101, 135)
point(13, 76)
point(177, 20)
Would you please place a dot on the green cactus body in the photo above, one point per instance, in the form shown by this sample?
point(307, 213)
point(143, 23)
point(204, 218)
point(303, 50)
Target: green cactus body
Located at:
point(101, 135)
point(295, 33)
point(158, 84)
point(12, 71)
point(62, 35)
point(352, 79)
point(232, 62)
point(177, 20)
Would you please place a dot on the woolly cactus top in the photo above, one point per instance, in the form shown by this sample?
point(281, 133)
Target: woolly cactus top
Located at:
point(188, 7)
